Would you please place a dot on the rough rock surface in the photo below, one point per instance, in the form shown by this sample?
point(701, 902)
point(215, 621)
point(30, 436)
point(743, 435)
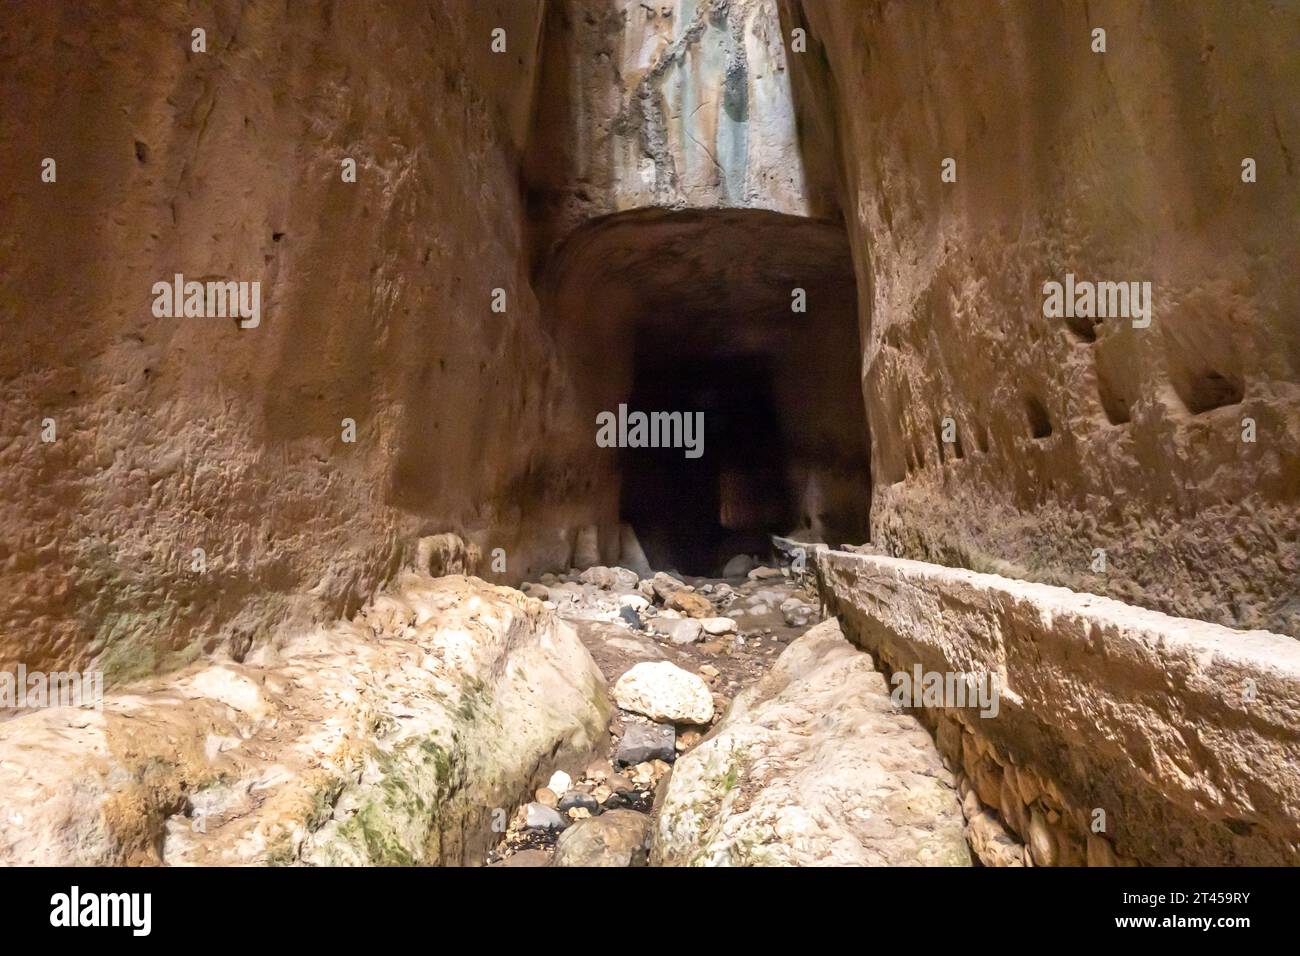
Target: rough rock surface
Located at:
point(615, 838)
point(177, 434)
point(1185, 733)
point(665, 693)
point(1125, 165)
point(387, 740)
point(813, 767)
point(673, 104)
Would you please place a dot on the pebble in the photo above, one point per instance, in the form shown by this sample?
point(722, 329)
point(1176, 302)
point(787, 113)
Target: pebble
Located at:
point(576, 798)
point(541, 817)
point(681, 632)
point(561, 782)
point(642, 742)
point(546, 797)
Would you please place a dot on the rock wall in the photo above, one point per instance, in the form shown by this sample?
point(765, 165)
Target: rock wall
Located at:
point(177, 434)
point(1071, 436)
point(1119, 734)
point(673, 104)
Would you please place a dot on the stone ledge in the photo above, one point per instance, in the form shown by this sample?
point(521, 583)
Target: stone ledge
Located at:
point(1144, 716)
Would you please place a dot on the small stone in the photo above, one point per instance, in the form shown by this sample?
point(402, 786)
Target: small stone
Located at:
point(561, 782)
point(609, 579)
point(630, 617)
point(689, 603)
point(764, 574)
point(541, 817)
point(576, 798)
point(642, 742)
point(620, 784)
point(796, 613)
point(579, 813)
point(718, 625)
point(687, 739)
point(681, 632)
point(1041, 843)
point(708, 670)
point(546, 797)
point(602, 794)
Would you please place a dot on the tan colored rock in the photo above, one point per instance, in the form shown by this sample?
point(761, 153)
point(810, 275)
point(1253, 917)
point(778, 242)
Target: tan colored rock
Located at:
point(691, 604)
point(615, 838)
point(366, 742)
point(1100, 852)
point(1103, 704)
point(812, 767)
point(992, 844)
point(1070, 434)
point(177, 434)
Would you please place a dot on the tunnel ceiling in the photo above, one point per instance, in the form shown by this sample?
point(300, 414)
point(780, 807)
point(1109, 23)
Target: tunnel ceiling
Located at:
point(718, 280)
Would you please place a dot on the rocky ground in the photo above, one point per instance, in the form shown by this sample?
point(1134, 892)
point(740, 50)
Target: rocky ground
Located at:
point(676, 651)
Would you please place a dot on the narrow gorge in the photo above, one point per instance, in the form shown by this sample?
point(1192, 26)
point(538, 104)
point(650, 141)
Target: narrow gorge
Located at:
point(570, 433)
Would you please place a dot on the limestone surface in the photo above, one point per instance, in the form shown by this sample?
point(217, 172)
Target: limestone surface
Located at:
point(812, 766)
point(391, 739)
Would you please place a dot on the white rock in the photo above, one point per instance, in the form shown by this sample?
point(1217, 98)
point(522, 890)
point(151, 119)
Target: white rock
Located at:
point(664, 692)
point(680, 631)
point(718, 625)
point(635, 601)
point(560, 782)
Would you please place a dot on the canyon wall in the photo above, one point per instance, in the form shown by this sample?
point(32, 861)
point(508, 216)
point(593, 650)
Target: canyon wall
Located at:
point(175, 434)
point(1170, 448)
point(674, 104)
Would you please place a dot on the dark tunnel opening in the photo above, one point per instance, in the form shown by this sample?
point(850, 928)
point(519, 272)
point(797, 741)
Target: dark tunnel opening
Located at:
point(692, 514)
point(751, 318)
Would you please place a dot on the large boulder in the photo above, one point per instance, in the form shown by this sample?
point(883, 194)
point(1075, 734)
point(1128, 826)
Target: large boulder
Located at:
point(390, 739)
point(665, 693)
point(813, 767)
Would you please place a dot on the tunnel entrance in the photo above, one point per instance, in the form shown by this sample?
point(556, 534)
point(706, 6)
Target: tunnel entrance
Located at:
point(693, 514)
point(749, 317)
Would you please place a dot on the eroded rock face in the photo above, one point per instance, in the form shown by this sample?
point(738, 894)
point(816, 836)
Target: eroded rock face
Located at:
point(388, 740)
point(176, 434)
point(1178, 737)
point(1071, 435)
point(813, 767)
point(672, 104)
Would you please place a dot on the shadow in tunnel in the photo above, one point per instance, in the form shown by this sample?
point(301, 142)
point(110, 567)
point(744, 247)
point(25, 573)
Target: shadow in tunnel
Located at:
point(692, 514)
